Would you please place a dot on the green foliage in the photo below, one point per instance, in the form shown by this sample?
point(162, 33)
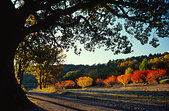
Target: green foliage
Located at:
point(93, 74)
point(129, 70)
point(143, 65)
point(72, 75)
point(164, 81)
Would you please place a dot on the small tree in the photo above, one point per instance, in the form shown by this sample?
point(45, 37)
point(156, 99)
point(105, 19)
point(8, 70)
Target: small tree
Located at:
point(124, 79)
point(84, 81)
point(68, 84)
point(109, 80)
point(155, 75)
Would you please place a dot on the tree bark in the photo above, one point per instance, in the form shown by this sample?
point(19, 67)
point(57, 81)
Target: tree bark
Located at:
point(12, 96)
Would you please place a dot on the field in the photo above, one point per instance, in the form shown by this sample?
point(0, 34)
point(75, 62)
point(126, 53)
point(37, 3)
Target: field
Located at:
point(133, 97)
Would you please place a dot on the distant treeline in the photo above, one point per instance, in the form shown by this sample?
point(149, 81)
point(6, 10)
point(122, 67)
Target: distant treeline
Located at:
point(120, 66)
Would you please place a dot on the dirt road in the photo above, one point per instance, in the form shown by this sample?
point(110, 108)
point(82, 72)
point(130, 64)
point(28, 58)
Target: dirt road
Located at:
point(55, 102)
point(135, 98)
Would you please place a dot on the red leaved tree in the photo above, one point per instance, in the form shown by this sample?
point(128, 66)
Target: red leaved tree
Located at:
point(110, 80)
point(124, 79)
point(99, 81)
point(140, 76)
point(156, 75)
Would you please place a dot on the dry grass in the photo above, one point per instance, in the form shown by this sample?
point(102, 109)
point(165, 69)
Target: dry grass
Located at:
point(50, 89)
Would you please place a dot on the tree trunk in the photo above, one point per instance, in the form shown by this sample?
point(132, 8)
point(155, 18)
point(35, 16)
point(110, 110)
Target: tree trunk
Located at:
point(12, 96)
point(158, 81)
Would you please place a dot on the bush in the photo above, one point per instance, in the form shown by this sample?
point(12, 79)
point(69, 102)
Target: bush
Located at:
point(84, 81)
point(110, 80)
point(68, 84)
point(99, 81)
point(58, 85)
point(164, 81)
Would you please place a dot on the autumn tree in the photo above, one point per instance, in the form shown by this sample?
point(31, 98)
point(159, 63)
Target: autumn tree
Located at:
point(84, 81)
point(124, 79)
point(95, 23)
point(140, 76)
point(110, 80)
point(160, 62)
point(68, 84)
point(155, 75)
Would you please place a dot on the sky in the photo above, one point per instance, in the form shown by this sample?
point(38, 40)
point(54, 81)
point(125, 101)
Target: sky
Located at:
point(102, 56)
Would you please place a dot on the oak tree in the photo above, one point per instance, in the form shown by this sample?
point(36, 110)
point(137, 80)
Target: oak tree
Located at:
point(95, 23)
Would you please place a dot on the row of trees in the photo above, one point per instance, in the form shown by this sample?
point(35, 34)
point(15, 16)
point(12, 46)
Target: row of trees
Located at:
point(145, 76)
point(47, 72)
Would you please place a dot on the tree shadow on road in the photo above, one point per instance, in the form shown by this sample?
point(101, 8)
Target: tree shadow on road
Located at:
point(72, 108)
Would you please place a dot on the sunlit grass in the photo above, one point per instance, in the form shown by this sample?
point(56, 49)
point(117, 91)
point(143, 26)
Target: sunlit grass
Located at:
point(50, 89)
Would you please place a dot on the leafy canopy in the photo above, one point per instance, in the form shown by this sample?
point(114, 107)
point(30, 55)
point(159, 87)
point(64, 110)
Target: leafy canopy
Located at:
point(94, 23)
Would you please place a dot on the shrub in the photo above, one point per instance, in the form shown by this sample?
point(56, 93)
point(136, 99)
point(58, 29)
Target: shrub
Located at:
point(58, 85)
point(68, 84)
point(164, 81)
point(124, 79)
point(84, 81)
point(110, 80)
point(99, 81)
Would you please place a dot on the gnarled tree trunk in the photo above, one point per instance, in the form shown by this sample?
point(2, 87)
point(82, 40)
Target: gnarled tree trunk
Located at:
point(12, 96)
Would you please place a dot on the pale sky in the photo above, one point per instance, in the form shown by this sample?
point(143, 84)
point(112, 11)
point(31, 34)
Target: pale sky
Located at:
point(101, 56)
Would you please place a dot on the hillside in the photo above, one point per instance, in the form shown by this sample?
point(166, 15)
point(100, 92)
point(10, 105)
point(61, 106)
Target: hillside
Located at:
point(112, 66)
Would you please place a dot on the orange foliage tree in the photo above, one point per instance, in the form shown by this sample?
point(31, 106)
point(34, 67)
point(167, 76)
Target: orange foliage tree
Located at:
point(155, 75)
point(84, 81)
point(99, 81)
point(140, 76)
point(109, 80)
point(124, 79)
